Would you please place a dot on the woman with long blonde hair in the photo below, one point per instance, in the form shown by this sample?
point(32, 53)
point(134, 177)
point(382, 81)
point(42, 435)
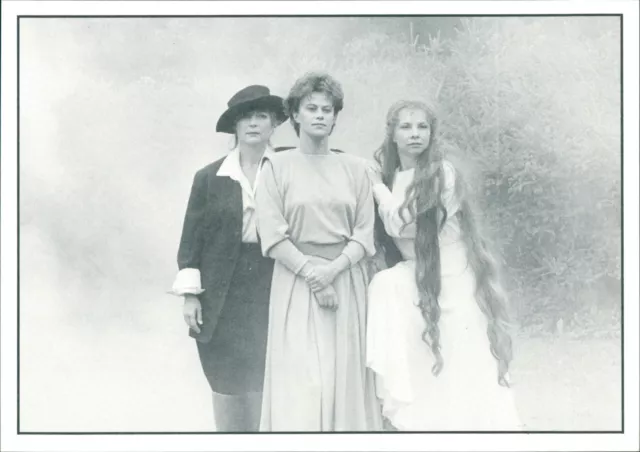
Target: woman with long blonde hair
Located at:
point(437, 323)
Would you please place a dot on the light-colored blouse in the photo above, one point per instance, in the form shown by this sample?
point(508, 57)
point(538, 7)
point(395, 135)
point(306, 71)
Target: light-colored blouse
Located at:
point(390, 204)
point(315, 200)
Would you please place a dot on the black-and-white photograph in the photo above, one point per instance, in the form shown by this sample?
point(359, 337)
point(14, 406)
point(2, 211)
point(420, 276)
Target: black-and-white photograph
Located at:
point(319, 224)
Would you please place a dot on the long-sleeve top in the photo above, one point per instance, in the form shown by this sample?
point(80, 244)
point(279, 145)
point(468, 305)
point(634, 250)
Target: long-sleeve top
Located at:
point(309, 200)
point(401, 227)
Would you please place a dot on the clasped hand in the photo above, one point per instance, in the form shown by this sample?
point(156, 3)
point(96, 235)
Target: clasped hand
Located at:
point(320, 274)
point(319, 277)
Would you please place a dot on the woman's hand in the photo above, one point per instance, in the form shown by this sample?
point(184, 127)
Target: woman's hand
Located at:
point(320, 276)
point(375, 177)
point(327, 298)
point(192, 312)
point(374, 171)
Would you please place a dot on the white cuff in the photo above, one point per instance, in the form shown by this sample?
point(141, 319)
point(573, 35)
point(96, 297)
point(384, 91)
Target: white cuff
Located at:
point(354, 252)
point(187, 282)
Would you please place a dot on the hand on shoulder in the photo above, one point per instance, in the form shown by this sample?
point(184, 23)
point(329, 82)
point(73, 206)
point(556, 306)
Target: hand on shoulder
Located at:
point(374, 171)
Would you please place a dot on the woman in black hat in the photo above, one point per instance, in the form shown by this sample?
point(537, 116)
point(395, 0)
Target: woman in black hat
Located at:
point(223, 277)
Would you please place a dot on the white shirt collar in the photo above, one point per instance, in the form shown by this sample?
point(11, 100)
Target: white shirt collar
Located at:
point(231, 167)
point(231, 164)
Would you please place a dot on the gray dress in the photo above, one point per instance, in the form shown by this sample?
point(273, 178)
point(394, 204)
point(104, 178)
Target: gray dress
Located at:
point(315, 374)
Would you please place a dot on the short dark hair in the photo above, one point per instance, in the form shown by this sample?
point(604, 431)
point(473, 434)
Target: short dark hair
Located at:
point(313, 82)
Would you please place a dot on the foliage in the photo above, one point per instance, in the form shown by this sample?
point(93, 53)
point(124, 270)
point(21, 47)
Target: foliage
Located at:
point(541, 134)
point(537, 136)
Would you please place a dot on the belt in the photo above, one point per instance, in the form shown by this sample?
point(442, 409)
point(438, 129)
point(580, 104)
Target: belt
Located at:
point(328, 251)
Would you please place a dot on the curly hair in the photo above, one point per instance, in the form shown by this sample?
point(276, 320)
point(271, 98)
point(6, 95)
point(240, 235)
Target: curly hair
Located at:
point(313, 82)
point(423, 202)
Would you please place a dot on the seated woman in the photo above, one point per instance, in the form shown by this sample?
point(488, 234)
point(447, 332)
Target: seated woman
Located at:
point(437, 335)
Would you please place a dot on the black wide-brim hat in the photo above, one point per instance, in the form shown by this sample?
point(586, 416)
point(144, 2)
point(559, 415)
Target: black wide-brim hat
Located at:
point(254, 97)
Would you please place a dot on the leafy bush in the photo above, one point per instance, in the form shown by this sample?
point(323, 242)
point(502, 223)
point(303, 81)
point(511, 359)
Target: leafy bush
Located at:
point(530, 109)
point(541, 132)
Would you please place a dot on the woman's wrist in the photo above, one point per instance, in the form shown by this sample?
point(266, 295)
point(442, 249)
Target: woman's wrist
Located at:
point(339, 264)
point(306, 269)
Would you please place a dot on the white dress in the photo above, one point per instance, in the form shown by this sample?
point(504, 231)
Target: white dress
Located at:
point(465, 396)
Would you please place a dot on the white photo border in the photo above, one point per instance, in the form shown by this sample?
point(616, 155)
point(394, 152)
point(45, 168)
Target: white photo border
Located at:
point(12, 441)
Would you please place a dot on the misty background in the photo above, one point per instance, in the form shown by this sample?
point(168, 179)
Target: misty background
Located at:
point(116, 115)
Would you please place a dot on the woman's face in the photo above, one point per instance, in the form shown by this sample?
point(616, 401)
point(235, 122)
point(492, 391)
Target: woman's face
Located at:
point(316, 115)
point(255, 127)
point(412, 132)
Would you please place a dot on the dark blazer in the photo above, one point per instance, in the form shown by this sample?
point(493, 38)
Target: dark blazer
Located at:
point(211, 239)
